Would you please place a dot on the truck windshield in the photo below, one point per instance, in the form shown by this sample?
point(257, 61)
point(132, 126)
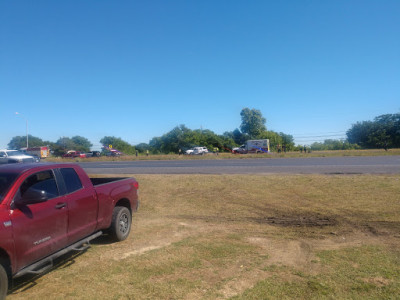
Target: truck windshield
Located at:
point(6, 181)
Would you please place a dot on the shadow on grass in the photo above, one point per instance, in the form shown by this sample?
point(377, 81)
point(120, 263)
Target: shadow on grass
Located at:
point(26, 282)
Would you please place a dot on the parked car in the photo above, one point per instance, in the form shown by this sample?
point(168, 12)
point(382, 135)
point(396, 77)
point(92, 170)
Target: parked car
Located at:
point(189, 151)
point(114, 152)
point(37, 158)
point(47, 210)
point(95, 154)
point(15, 156)
point(199, 150)
point(73, 153)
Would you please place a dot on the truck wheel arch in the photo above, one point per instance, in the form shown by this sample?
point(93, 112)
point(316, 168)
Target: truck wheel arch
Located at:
point(125, 203)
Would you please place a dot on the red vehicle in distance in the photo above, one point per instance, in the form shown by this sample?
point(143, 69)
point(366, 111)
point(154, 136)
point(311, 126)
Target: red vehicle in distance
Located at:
point(73, 153)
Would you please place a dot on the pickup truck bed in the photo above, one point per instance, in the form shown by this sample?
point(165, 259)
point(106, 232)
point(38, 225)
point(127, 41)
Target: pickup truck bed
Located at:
point(49, 209)
point(103, 180)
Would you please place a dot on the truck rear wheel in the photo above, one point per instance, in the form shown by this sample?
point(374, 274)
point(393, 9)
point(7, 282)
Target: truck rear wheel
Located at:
point(3, 281)
point(120, 224)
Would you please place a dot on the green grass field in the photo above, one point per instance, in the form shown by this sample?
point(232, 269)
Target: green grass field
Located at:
point(243, 237)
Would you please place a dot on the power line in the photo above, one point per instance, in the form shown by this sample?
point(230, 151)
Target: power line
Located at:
point(326, 137)
point(318, 137)
point(320, 134)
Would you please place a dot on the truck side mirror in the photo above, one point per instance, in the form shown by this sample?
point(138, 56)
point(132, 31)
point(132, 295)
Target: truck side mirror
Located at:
point(32, 196)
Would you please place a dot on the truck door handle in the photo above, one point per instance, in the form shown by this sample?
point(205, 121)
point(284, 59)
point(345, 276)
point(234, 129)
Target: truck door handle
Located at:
point(61, 205)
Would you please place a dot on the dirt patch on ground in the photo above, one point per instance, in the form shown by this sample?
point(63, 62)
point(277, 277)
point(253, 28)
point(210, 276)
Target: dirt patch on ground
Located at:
point(297, 253)
point(301, 253)
point(303, 236)
point(284, 221)
point(297, 221)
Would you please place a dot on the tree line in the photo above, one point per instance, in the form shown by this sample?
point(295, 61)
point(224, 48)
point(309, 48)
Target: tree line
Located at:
point(382, 132)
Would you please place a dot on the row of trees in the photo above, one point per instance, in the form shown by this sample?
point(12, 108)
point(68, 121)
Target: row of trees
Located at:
point(383, 132)
point(252, 127)
point(178, 139)
point(78, 143)
point(61, 146)
point(334, 145)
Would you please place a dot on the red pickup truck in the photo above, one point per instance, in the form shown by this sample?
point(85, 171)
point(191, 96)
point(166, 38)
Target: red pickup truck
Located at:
point(47, 210)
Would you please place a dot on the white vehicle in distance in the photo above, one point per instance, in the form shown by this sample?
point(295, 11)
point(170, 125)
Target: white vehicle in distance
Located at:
point(189, 151)
point(200, 150)
point(253, 146)
point(15, 156)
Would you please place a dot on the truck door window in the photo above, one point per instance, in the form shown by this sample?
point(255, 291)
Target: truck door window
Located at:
point(43, 181)
point(71, 179)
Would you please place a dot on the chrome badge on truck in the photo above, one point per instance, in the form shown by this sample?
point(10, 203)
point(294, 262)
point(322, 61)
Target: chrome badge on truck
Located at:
point(7, 224)
point(42, 240)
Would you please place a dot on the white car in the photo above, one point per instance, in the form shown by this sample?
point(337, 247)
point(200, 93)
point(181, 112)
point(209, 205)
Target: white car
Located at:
point(200, 150)
point(15, 156)
point(188, 152)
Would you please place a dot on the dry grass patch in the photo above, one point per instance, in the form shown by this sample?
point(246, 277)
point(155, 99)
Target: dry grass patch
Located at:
point(246, 237)
point(228, 155)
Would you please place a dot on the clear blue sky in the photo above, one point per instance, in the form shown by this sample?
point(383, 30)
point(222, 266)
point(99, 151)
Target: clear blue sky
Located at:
point(137, 69)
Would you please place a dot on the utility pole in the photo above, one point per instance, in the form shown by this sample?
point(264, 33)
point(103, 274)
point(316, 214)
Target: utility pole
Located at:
point(27, 139)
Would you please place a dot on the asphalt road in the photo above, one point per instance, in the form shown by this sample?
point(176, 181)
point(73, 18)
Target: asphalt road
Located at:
point(313, 165)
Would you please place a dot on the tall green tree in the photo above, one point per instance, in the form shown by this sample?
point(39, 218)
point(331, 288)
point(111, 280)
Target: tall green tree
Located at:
point(118, 144)
point(143, 147)
point(184, 138)
point(81, 143)
point(389, 128)
point(239, 137)
point(287, 141)
point(275, 140)
point(66, 143)
point(19, 142)
point(253, 123)
point(180, 137)
point(382, 132)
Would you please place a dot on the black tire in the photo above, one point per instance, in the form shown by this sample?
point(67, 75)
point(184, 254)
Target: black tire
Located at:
point(120, 224)
point(3, 282)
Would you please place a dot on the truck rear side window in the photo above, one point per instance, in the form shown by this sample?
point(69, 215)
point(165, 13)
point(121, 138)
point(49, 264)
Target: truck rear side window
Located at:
point(71, 179)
